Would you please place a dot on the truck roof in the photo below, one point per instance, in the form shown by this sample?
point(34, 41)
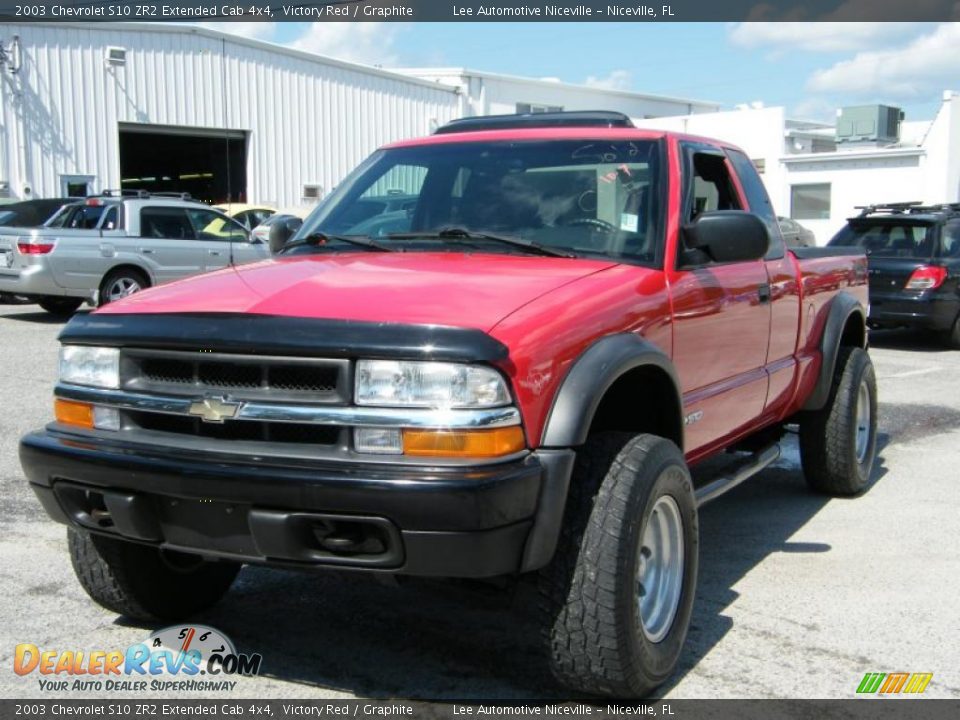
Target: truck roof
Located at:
point(565, 125)
point(556, 133)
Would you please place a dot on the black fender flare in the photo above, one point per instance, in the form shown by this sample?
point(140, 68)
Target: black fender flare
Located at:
point(568, 424)
point(842, 308)
point(592, 374)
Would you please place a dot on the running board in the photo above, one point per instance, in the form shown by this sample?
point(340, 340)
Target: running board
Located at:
point(755, 464)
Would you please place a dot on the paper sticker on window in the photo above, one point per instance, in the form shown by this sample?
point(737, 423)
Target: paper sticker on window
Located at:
point(629, 222)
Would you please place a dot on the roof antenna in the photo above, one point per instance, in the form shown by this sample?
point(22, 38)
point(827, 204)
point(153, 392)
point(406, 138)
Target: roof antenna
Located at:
point(226, 136)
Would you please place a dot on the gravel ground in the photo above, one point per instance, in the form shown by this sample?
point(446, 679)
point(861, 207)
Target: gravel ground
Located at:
point(799, 595)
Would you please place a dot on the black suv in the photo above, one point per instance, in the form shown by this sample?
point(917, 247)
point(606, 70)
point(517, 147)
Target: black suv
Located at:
point(914, 256)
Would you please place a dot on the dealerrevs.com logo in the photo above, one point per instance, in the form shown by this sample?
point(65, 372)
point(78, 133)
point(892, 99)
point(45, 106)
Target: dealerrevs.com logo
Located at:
point(176, 658)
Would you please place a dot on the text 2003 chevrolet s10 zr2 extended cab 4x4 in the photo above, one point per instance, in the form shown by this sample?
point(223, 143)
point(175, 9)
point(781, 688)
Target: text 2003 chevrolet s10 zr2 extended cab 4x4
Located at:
point(510, 377)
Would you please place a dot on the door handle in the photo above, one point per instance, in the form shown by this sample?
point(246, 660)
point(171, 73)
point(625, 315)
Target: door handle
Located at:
point(215, 253)
point(764, 292)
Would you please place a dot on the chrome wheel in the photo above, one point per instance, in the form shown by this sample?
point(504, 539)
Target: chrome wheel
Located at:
point(660, 569)
point(121, 287)
point(863, 421)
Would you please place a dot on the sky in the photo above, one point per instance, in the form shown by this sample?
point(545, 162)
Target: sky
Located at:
point(810, 68)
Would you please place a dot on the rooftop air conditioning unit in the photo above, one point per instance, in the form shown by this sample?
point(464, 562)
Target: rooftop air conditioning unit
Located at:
point(869, 124)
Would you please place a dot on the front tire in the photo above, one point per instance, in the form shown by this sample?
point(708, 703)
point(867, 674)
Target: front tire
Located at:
point(143, 582)
point(616, 600)
point(838, 443)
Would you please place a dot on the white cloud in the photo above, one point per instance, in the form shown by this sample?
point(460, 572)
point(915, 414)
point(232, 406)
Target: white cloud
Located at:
point(254, 30)
point(818, 36)
point(926, 65)
point(370, 43)
point(616, 80)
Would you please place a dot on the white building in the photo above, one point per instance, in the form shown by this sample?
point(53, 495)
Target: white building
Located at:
point(170, 107)
point(820, 182)
point(164, 107)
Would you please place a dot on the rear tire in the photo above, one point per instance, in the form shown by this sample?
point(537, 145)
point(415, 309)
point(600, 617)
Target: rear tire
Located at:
point(145, 583)
point(630, 532)
point(952, 336)
point(120, 283)
point(60, 306)
point(838, 443)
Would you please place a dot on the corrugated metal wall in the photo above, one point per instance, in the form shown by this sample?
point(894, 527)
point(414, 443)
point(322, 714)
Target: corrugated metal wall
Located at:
point(309, 121)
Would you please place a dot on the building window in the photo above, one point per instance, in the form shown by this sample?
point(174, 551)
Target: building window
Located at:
point(760, 164)
point(810, 202)
point(525, 108)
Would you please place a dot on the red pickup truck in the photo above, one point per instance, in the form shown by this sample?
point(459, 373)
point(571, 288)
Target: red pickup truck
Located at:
point(508, 372)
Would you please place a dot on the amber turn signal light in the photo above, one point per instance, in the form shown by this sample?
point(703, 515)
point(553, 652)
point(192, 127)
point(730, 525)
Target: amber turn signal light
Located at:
point(70, 412)
point(463, 443)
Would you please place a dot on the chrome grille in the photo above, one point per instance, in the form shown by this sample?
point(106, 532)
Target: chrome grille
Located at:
point(242, 377)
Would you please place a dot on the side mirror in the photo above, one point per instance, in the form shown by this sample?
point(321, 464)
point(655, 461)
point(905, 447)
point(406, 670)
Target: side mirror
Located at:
point(727, 236)
point(281, 232)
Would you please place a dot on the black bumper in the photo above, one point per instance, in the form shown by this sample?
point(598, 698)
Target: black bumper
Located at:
point(925, 310)
point(416, 520)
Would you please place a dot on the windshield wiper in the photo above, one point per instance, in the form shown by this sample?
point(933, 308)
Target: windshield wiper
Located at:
point(318, 239)
point(459, 233)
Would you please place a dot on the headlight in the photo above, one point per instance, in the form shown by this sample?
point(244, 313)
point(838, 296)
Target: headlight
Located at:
point(96, 366)
point(429, 384)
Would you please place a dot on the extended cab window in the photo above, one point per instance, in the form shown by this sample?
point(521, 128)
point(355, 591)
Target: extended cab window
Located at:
point(590, 197)
point(758, 200)
point(165, 222)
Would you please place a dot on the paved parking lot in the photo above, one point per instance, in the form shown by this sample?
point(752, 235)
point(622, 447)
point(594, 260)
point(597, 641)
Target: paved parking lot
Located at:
point(799, 595)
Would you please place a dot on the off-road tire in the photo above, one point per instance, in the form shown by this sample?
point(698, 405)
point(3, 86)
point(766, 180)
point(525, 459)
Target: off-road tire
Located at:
point(828, 437)
point(60, 306)
point(142, 583)
point(588, 601)
point(103, 298)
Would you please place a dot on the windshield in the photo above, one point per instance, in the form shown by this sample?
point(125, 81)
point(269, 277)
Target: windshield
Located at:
point(587, 197)
point(886, 239)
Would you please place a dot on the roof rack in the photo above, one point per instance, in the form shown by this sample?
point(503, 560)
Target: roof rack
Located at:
point(176, 195)
point(142, 194)
point(577, 118)
point(123, 193)
point(907, 208)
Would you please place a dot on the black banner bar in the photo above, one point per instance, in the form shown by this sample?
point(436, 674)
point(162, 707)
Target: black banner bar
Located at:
point(477, 10)
point(228, 708)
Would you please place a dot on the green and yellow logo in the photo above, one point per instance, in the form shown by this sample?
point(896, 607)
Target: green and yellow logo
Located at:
point(894, 683)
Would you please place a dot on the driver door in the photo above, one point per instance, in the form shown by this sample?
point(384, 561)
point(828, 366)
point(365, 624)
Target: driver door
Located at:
point(721, 314)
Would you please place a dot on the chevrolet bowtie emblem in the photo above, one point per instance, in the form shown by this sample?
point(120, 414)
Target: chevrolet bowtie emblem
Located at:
point(214, 410)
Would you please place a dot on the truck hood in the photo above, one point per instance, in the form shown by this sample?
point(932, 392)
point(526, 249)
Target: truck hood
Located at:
point(448, 288)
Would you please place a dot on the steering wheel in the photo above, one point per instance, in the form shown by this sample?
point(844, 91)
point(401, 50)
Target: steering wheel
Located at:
point(595, 223)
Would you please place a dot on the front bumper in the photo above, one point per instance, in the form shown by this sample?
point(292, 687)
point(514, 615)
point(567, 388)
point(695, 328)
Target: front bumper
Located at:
point(480, 521)
point(929, 310)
